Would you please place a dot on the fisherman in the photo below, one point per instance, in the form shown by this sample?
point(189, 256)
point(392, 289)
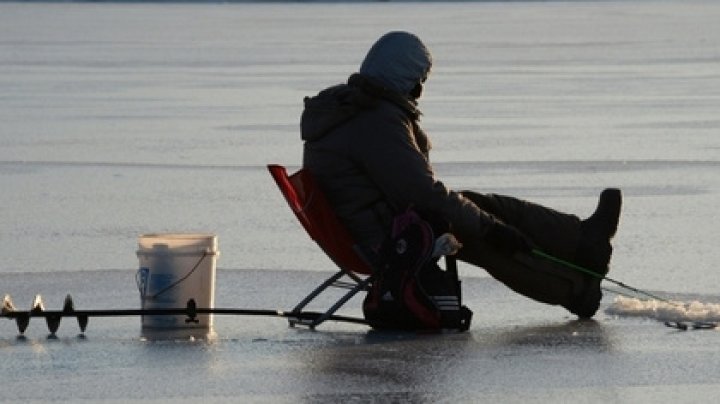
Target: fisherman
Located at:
point(364, 144)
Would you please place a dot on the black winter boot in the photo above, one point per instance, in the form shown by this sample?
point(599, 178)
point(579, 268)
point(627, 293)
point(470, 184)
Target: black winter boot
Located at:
point(604, 221)
point(594, 250)
point(588, 303)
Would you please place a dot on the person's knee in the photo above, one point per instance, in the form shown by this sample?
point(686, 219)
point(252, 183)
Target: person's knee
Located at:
point(486, 202)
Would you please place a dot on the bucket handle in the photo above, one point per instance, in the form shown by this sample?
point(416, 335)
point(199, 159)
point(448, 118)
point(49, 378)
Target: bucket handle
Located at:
point(172, 285)
point(141, 281)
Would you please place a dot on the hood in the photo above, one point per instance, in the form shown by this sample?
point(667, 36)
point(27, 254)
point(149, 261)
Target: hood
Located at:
point(398, 61)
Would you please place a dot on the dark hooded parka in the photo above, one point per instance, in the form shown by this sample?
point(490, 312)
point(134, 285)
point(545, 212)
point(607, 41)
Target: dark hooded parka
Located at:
point(363, 143)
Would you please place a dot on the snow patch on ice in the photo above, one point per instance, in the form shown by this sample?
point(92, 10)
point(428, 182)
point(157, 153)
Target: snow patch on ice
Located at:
point(665, 311)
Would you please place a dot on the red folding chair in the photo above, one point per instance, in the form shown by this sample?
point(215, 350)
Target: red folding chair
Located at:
point(314, 212)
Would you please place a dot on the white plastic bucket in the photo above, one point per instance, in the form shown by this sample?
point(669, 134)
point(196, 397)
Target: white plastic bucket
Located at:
point(175, 268)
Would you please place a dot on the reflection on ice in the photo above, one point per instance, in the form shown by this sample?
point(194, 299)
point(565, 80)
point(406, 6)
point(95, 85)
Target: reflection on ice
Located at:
point(178, 334)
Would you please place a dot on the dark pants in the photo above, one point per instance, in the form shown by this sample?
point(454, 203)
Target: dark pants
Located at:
point(553, 232)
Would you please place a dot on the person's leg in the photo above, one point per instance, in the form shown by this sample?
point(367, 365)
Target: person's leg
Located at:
point(556, 233)
point(536, 278)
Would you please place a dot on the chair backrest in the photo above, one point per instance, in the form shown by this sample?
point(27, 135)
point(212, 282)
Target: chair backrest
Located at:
point(314, 212)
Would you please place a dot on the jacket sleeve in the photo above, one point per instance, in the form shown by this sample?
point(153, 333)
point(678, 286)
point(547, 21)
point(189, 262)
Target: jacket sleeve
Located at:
point(390, 156)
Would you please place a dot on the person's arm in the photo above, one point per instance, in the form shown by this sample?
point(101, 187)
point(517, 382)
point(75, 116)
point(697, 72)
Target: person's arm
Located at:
point(389, 155)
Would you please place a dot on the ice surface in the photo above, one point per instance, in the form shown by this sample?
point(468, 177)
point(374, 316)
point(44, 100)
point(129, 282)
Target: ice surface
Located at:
point(517, 350)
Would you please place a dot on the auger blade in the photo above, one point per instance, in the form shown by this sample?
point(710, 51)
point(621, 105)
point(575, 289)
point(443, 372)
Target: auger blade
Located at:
point(68, 305)
point(37, 305)
point(82, 322)
point(69, 308)
point(22, 320)
point(7, 306)
point(53, 323)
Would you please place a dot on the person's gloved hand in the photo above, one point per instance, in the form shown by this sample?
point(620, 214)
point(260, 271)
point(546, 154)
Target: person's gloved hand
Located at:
point(508, 239)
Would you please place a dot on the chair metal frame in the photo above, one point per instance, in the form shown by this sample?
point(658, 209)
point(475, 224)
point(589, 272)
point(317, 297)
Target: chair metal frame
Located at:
point(314, 212)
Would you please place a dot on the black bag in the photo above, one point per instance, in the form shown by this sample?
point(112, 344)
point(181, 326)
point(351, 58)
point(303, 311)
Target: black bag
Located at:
point(410, 290)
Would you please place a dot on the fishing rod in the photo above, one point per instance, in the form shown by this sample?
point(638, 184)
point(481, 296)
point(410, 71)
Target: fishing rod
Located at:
point(596, 275)
point(674, 324)
point(191, 311)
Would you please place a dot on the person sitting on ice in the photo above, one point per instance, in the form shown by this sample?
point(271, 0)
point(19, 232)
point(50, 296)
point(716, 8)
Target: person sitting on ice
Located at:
point(364, 144)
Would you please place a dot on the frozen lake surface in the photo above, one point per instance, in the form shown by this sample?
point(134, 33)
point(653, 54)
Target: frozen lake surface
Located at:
point(516, 351)
point(124, 119)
